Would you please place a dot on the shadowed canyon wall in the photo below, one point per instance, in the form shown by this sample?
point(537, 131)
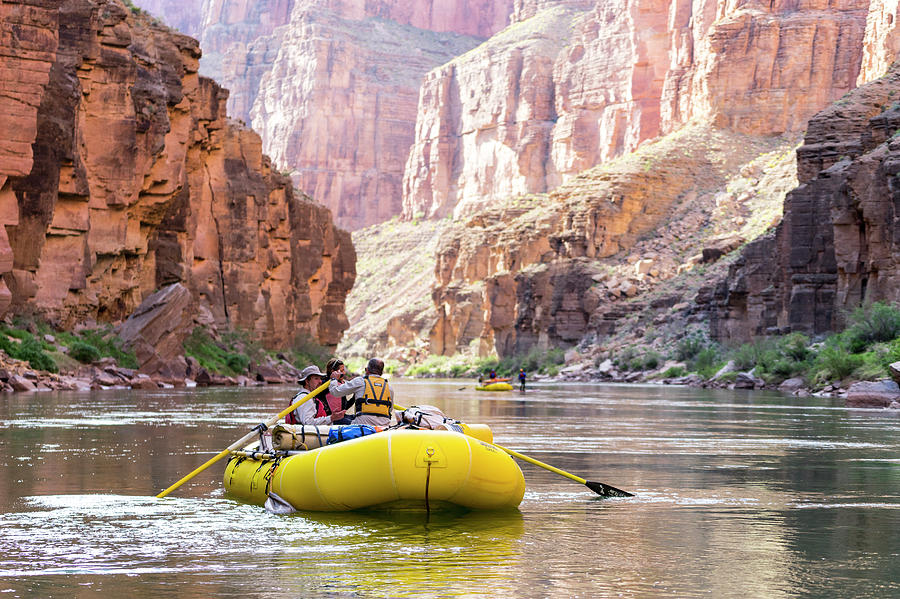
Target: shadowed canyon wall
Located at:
point(838, 242)
point(136, 179)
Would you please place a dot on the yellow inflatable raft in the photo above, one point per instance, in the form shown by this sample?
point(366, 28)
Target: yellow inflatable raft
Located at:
point(495, 387)
point(397, 467)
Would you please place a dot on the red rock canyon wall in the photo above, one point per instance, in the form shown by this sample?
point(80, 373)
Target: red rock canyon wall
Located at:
point(332, 85)
point(137, 180)
point(574, 84)
point(837, 244)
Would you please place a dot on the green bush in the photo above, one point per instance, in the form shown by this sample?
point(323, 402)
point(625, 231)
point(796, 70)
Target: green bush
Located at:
point(795, 346)
point(485, 364)
point(214, 356)
point(879, 322)
point(688, 347)
point(774, 358)
point(651, 360)
point(84, 352)
point(303, 352)
point(674, 372)
point(433, 365)
point(625, 358)
point(706, 363)
point(834, 361)
point(28, 349)
point(31, 351)
point(104, 341)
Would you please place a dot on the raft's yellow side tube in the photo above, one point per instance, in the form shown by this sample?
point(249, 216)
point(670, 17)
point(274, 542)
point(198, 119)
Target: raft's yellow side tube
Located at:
point(396, 466)
point(495, 387)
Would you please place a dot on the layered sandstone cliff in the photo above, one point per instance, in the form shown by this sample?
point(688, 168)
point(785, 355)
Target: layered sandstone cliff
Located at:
point(837, 244)
point(573, 84)
point(537, 269)
point(332, 85)
point(137, 180)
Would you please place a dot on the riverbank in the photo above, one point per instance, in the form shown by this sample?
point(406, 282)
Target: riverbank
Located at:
point(19, 375)
point(861, 363)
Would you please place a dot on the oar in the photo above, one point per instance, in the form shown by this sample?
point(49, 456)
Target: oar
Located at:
point(599, 488)
point(245, 439)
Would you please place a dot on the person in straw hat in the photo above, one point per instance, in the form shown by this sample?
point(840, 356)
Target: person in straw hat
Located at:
point(316, 410)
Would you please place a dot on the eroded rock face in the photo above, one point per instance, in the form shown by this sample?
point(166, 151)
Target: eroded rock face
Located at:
point(523, 274)
point(573, 84)
point(836, 245)
point(337, 108)
point(333, 85)
point(140, 181)
point(882, 41)
point(760, 68)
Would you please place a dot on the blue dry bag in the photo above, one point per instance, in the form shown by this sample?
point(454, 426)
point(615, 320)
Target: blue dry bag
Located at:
point(345, 433)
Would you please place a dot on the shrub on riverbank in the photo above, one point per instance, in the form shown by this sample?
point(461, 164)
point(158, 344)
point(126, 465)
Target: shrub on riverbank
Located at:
point(28, 341)
point(226, 355)
point(89, 345)
point(534, 361)
point(863, 351)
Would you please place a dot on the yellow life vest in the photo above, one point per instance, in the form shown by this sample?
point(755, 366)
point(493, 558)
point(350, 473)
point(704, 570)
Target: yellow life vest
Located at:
point(377, 399)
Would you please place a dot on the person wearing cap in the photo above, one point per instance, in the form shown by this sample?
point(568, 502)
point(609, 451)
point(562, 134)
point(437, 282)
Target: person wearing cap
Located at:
point(312, 411)
point(371, 394)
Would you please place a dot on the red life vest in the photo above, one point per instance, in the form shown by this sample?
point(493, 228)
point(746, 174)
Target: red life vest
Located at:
point(331, 405)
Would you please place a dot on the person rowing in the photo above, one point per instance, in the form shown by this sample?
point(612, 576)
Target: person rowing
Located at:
point(318, 411)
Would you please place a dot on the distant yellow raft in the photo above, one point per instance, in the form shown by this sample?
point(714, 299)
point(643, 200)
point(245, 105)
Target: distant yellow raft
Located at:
point(394, 467)
point(495, 387)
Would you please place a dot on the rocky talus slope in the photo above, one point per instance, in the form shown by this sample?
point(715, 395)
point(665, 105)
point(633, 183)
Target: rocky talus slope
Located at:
point(391, 311)
point(122, 175)
point(527, 275)
point(837, 244)
point(547, 270)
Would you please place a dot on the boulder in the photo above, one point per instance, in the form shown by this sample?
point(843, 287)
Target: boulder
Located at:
point(872, 394)
point(895, 371)
point(203, 378)
point(791, 385)
point(20, 383)
point(746, 380)
point(729, 367)
point(143, 382)
point(268, 375)
point(606, 368)
point(103, 379)
point(157, 329)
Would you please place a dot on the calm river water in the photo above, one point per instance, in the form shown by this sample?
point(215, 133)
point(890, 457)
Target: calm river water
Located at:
point(738, 495)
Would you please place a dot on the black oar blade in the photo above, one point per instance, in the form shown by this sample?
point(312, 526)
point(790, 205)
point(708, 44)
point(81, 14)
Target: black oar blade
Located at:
point(606, 490)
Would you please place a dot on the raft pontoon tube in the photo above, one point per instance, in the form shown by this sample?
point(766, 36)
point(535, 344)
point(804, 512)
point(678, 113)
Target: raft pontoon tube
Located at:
point(398, 467)
point(495, 387)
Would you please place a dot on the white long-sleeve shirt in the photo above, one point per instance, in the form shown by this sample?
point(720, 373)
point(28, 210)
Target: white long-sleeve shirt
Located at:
point(306, 413)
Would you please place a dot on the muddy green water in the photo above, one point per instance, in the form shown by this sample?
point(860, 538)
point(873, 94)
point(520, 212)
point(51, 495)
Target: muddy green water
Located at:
point(738, 495)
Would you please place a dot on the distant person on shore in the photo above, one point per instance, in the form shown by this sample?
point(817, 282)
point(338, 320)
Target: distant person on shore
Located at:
point(522, 380)
point(371, 394)
point(315, 411)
